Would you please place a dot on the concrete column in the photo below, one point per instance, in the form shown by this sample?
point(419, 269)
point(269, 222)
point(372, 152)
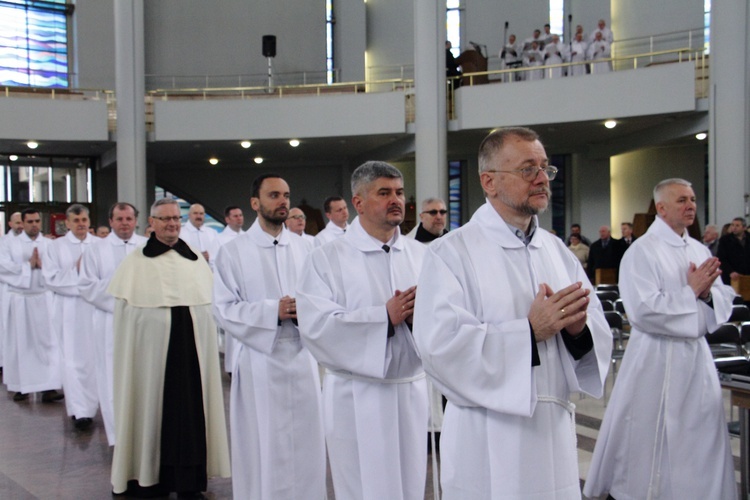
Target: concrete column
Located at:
point(131, 112)
point(729, 111)
point(431, 129)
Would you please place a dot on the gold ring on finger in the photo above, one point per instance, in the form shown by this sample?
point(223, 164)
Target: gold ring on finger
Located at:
point(563, 312)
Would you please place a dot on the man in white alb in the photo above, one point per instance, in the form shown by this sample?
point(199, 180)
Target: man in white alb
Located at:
point(196, 234)
point(278, 449)
point(296, 222)
point(72, 316)
point(355, 301)
point(98, 265)
point(507, 328)
point(15, 225)
point(32, 350)
point(337, 213)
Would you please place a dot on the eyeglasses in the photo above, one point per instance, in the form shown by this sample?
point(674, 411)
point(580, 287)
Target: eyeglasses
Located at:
point(435, 212)
point(531, 172)
point(173, 218)
point(298, 217)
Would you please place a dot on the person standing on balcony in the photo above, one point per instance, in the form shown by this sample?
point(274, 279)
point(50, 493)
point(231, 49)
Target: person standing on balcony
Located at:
point(604, 30)
point(578, 51)
point(599, 49)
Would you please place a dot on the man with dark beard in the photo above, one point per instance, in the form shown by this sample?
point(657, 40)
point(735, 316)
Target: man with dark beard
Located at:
point(507, 328)
point(355, 300)
point(278, 450)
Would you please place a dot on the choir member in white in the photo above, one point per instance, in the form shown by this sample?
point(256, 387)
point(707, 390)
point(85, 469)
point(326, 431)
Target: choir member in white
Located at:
point(555, 53)
point(234, 219)
point(578, 50)
point(664, 433)
point(536, 37)
point(196, 234)
point(355, 301)
point(72, 316)
point(278, 448)
point(98, 265)
point(510, 57)
point(532, 58)
point(296, 222)
point(337, 213)
point(507, 328)
point(602, 28)
point(599, 49)
point(32, 351)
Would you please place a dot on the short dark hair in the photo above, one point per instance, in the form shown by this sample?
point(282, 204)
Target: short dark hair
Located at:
point(495, 141)
point(28, 211)
point(629, 224)
point(741, 221)
point(121, 205)
point(76, 209)
point(575, 225)
point(259, 181)
point(229, 209)
point(328, 201)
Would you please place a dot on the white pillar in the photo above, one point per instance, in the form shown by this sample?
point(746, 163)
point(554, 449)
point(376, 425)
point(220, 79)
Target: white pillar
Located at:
point(431, 129)
point(131, 113)
point(729, 111)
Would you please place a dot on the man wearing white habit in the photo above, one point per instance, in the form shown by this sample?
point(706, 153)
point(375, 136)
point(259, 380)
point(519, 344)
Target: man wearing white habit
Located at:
point(276, 417)
point(355, 302)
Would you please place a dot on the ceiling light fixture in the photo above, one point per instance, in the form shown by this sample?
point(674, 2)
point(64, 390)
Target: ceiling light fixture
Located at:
point(294, 143)
point(610, 124)
point(246, 144)
point(213, 161)
point(701, 136)
point(32, 144)
point(13, 157)
point(258, 160)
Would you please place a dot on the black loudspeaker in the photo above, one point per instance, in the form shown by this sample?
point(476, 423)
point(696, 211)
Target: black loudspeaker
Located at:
point(269, 46)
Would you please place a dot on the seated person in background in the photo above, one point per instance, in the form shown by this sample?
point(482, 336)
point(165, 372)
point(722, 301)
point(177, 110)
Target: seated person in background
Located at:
point(579, 249)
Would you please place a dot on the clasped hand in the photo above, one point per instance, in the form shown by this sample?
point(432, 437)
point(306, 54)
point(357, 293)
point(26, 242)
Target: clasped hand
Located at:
point(400, 307)
point(551, 312)
point(700, 278)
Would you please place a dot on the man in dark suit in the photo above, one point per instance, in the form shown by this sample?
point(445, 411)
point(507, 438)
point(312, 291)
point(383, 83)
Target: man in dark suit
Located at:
point(604, 253)
point(734, 251)
point(627, 235)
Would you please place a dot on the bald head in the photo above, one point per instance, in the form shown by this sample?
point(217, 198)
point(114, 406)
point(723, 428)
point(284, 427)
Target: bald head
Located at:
point(197, 215)
point(296, 221)
point(16, 223)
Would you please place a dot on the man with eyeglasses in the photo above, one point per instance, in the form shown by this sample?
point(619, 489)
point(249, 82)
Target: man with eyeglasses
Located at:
point(170, 428)
point(296, 222)
point(507, 328)
point(432, 221)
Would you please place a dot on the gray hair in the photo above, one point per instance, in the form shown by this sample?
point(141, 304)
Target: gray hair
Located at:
point(431, 200)
point(371, 170)
point(495, 141)
point(160, 202)
point(659, 189)
point(76, 209)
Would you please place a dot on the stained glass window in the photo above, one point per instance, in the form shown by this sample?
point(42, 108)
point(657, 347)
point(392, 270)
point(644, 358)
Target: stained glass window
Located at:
point(34, 43)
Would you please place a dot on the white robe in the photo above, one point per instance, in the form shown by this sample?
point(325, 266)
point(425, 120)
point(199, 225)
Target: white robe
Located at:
point(374, 391)
point(664, 433)
point(72, 321)
point(599, 50)
point(202, 239)
point(146, 289)
point(230, 349)
point(513, 55)
point(555, 53)
point(98, 265)
point(32, 361)
point(276, 421)
point(578, 55)
point(508, 430)
point(532, 59)
point(329, 233)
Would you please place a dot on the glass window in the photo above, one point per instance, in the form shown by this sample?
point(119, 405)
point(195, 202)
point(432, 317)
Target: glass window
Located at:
point(707, 25)
point(330, 21)
point(453, 25)
point(29, 179)
point(455, 193)
point(34, 43)
point(556, 16)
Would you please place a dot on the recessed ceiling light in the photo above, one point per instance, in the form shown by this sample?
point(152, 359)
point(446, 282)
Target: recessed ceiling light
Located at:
point(32, 144)
point(701, 136)
point(610, 124)
point(246, 144)
point(294, 143)
point(258, 160)
point(13, 157)
point(213, 161)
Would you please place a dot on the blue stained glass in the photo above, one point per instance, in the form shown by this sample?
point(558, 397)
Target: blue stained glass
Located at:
point(33, 43)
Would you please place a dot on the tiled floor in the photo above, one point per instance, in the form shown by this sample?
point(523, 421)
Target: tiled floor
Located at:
point(43, 456)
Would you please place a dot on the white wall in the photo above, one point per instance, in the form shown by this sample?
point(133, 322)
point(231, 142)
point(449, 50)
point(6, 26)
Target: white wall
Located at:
point(94, 44)
point(634, 175)
point(390, 37)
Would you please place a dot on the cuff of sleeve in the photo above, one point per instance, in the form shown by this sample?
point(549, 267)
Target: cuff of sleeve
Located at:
point(578, 346)
point(535, 361)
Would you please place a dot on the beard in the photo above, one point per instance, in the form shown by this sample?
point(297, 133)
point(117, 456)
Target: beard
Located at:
point(273, 216)
point(525, 207)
